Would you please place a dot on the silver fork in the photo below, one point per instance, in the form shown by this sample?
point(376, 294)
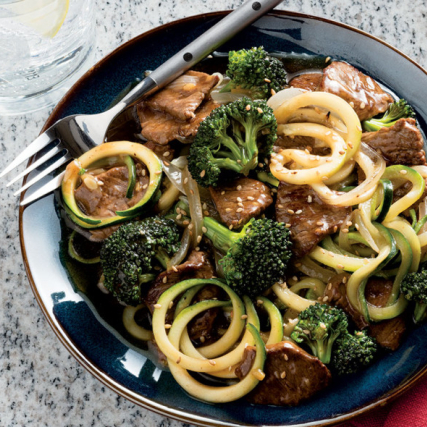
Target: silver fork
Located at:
point(77, 134)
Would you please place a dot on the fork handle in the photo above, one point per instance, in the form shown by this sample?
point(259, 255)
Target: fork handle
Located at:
point(198, 49)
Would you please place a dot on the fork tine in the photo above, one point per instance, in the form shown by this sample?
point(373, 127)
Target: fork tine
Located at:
point(52, 185)
point(39, 143)
point(45, 172)
point(37, 163)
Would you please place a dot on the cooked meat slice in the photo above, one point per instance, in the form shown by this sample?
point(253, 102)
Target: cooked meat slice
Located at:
point(400, 144)
point(182, 97)
point(388, 333)
point(291, 375)
point(337, 296)
point(359, 90)
point(160, 150)
point(240, 200)
point(162, 128)
point(307, 81)
point(310, 219)
point(100, 234)
point(110, 194)
point(315, 146)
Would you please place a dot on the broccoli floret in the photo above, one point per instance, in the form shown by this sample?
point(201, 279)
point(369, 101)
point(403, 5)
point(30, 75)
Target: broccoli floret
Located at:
point(256, 72)
point(129, 255)
point(352, 353)
point(232, 138)
point(319, 326)
point(398, 110)
point(414, 288)
point(256, 257)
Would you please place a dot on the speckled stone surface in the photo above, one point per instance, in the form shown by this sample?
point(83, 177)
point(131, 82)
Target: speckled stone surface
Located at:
point(41, 384)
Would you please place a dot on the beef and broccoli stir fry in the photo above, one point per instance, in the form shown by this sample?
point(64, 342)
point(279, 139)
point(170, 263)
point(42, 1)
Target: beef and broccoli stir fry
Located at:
point(272, 227)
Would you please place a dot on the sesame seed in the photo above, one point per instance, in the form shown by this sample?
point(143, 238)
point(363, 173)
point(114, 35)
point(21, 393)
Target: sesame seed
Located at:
point(239, 187)
point(328, 132)
point(344, 280)
point(190, 227)
point(260, 165)
point(324, 178)
point(308, 152)
point(258, 374)
point(186, 222)
point(165, 279)
point(322, 325)
point(280, 206)
point(329, 286)
point(298, 264)
point(240, 204)
point(306, 331)
point(318, 230)
point(290, 211)
point(350, 144)
point(144, 172)
point(340, 266)
point(323, 251)
point(228, 209)
point(325, 299)
point(287, 225)
point(267, 80)
point(273, 92)
point(260, 302)
point(244, 316)
point(344, 230)
point(238, 161)
point(179, 360)
point(204, 229)
point(168, 326)
point(349, 223)
point(166, 163)
point(403, 172)
point(179, 216)
point(362, 105)
point(230, 227)
point(239, 199)
point(335, 228)
point(197, 249)
point(212, 362)
point(299, 211)
point(199, 239)
point(251, 198)
point(327, 59)
point(351, 104)
point(204, 206)
point(191, 192)
point(222, 193)
point(309, 199)
point(248, 107)
point(206, 213)
point(185, 180)
point(170, 305)
point(295, 278)
point(341, 152)
point(285, 356)
point(183, 212)
point(239, 210)
point(166, 153)
point(259, 110)
point(174, 269)
point(144, 186)
point(158, 172)
point(202, 173)
point(157, 306)
point(202, 339)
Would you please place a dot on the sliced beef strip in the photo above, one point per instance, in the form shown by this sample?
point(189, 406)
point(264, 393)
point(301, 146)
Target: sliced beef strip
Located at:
point(240, 200)
point(162, 128)
point(307, 81)
point(337, 296)
point(402, 191)
point(160, 150)
point(181, 98)
point(110, 194)
point(291, 375)
point(310, 219)
point(388, 333)
point(400, 144)
point(100, 234)
point(359, 90)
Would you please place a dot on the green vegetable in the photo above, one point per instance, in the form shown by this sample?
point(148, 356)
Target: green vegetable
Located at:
point(414, 288)
point(255, 71)
point(232, 138)
point(130, 255)
point(318, 327)
point(352, 353)
point(256, 257)
point(268, 178)
point(398, 110)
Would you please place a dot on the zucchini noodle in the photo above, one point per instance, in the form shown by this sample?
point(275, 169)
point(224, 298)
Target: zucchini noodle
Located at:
point(319, 166)
point(132, 327)
point(276, 331)
point(310, 268)
point(291, 299)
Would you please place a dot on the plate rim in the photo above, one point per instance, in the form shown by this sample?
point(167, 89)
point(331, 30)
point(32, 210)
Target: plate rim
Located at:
point(99, 374)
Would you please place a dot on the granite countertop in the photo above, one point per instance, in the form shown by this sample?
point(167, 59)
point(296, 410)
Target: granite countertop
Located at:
point(41, 383)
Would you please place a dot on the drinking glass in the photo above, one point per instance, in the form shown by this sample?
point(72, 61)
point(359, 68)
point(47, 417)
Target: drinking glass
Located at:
point(43, 45)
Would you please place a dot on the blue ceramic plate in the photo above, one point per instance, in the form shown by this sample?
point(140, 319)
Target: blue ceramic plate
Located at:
point(79, 322)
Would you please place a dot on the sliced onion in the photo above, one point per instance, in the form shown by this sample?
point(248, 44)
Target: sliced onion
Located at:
point(195, 205)
point(181, 162)
point(283, 95)
point(183, 80)
point(174, 174)
point(182, 251)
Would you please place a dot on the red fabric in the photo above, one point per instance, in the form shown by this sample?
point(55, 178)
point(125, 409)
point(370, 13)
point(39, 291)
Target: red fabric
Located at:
point(410, 410)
